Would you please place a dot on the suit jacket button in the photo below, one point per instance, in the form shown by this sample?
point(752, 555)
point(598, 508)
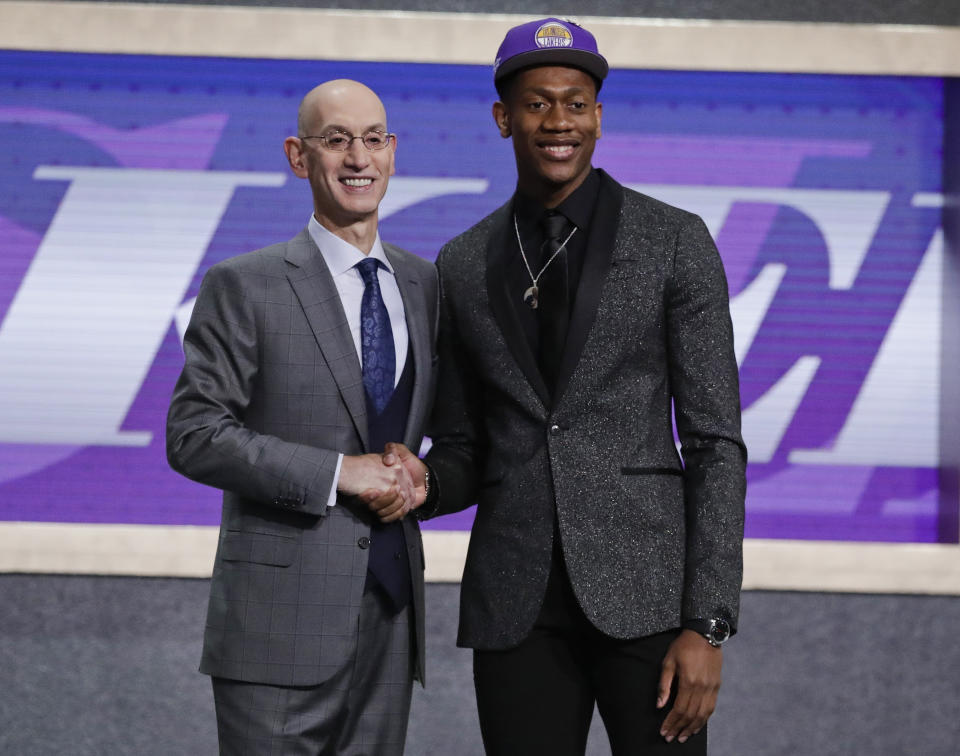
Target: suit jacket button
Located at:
point(363, 542)
point(554, 430)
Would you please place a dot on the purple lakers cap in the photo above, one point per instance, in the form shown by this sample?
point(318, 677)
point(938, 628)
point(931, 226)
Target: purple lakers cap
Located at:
point(549, 42)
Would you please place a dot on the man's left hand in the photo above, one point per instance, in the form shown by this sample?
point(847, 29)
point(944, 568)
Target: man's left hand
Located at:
point(695, 666)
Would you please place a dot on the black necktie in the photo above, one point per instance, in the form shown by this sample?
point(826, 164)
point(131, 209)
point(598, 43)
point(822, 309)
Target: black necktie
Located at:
point(554, 307)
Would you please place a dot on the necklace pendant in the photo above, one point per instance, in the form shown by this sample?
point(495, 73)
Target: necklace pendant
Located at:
point(530, 297)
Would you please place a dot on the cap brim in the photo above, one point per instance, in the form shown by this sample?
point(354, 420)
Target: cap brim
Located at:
point(593, 64)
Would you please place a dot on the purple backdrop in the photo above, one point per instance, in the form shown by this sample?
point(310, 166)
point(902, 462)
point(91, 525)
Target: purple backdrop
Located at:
point(123, 178)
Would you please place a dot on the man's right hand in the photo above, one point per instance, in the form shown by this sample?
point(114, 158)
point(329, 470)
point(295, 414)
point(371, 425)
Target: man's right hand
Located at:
point(395, 453)
point(387, 489)
point(383, 503)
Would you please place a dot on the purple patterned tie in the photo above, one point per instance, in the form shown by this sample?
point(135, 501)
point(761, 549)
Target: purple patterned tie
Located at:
point(376, 338)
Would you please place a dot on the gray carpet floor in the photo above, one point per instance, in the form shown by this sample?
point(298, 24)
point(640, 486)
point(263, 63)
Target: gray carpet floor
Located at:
point(103, 666)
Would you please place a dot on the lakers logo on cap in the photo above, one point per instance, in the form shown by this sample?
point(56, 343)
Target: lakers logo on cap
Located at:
point(553, 34)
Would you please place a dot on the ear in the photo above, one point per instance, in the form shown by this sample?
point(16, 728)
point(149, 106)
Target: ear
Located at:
point(599, 112)
point(502, 118)
point(293, 148)
point(393, 155)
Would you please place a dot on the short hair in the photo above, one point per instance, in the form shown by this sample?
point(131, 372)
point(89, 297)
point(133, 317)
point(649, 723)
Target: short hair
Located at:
point(302, 117)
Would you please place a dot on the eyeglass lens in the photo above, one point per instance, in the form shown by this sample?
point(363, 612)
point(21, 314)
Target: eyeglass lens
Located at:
point(340, 142)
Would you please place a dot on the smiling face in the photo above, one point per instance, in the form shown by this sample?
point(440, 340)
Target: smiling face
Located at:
point(553, 116)
point(347, 186)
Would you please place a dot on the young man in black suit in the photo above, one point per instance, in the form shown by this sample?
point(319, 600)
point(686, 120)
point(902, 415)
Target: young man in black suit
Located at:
point(604, 566)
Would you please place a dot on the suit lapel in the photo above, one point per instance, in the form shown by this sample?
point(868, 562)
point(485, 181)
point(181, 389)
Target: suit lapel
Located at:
point(500, 246)
point(415, 311)
point(600, 245)
point(314, 287)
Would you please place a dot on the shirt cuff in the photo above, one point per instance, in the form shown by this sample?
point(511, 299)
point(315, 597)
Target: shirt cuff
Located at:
point(332, 498)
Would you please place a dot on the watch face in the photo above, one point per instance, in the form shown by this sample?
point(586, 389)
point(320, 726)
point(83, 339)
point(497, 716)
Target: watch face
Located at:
point(720, 630)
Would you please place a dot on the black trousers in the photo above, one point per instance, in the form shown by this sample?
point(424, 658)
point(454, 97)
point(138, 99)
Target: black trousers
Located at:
point(537, 699)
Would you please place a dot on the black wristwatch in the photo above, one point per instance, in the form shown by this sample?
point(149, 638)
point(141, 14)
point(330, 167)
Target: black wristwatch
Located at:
point(716, 630)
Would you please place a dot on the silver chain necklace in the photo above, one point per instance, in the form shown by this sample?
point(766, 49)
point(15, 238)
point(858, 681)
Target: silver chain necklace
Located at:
point(531, 295)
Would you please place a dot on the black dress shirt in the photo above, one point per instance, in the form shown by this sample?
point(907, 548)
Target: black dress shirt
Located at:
point(578, 208)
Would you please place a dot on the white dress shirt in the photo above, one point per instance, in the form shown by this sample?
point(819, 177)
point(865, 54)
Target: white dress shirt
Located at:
point(341, 258)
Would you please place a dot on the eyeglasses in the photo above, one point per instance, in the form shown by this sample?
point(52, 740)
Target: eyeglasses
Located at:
point(339, 141)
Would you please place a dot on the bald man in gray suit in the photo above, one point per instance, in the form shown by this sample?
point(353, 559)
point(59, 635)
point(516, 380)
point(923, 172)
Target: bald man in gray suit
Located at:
point(301, 361)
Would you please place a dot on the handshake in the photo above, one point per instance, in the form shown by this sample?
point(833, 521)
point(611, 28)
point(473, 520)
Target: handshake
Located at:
point(391, 484)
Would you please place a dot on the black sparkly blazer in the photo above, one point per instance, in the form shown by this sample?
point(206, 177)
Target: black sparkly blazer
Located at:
point(651, 537)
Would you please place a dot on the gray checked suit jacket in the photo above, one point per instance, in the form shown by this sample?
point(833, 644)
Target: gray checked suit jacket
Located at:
point(271, 392)
point(650, 537)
